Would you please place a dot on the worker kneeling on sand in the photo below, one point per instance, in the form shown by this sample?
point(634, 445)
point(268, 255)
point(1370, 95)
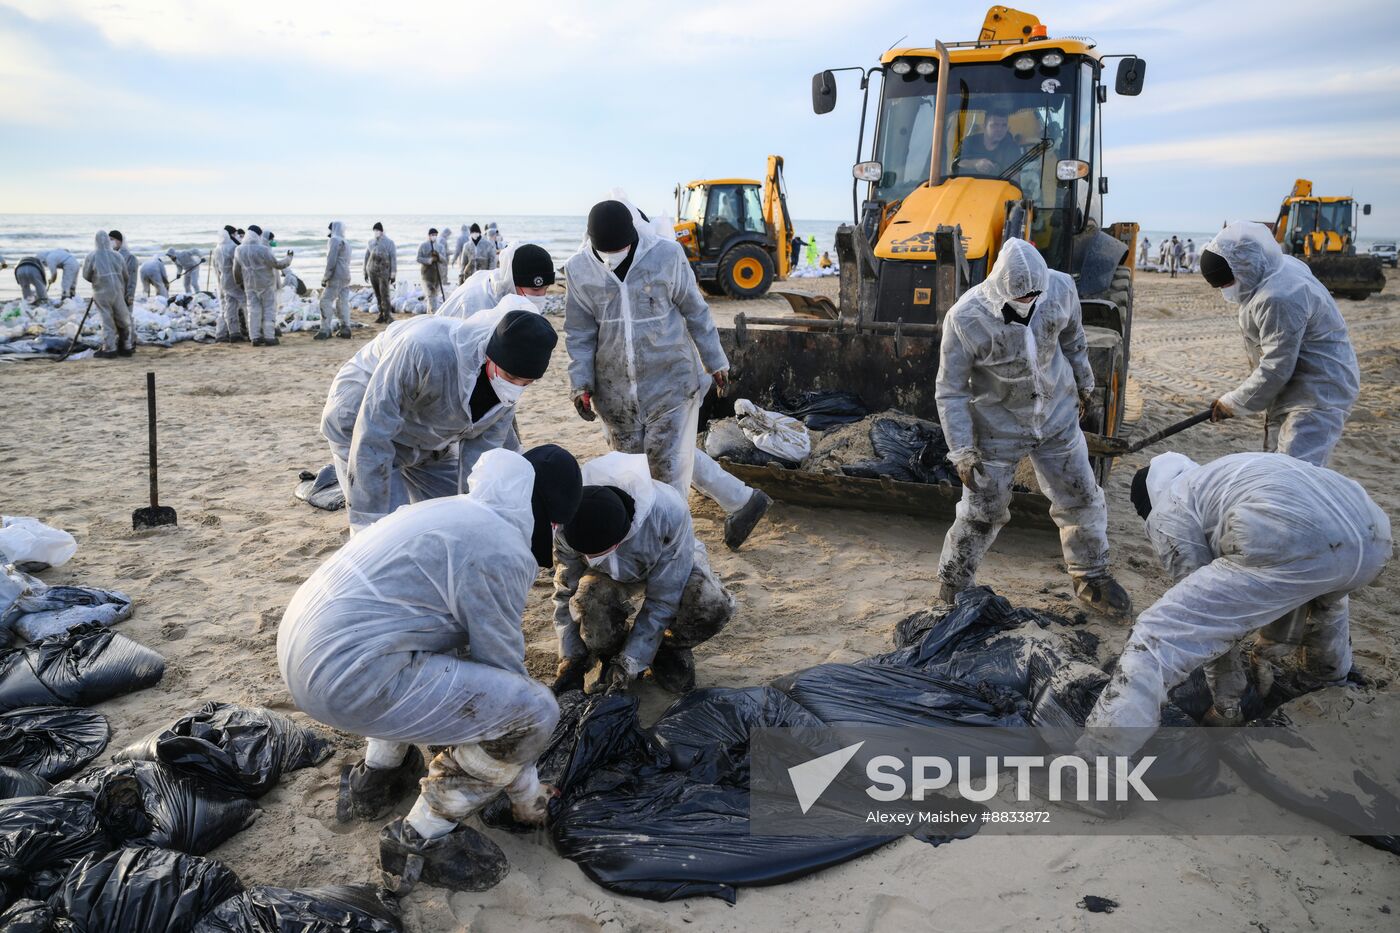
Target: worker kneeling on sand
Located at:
point(1305, 377)
point(632, 533)
point(411, 635)
point(641, 340)
point(1013, 380)
point(1248, 539)
point(526, 270)
point(408, 415)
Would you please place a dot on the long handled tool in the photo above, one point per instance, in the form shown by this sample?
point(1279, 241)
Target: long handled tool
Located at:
point(1101, 446)
point(156, 514)
point(77, 333)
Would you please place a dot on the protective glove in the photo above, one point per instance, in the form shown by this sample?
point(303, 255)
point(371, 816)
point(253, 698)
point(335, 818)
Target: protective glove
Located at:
point(721, 379)
point(325, 283)
point(615, 679)
point(583, 404)
point(970, 472)
point(535, 810)
point(569, 675)
point(1219, 411)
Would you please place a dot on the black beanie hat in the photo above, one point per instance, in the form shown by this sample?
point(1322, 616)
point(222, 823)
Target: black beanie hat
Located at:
point(1215, 269)
point(230, 229)
point(558, 488)
point(532, 267)
point(603, 519)
point(254, 228)
point(1138, 493)
point(610, 227)
point(115, 235)
point(432, 231)
point(474, 229)
point(522, 344)
point(379, 226)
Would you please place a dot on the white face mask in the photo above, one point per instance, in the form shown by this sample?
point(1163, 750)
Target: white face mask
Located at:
point(538, 301)
point(508, 392)
point(476, 238)
point(1022, 308)
point(116, 244)
point(613, 260)
point(1231, 293)
point(607, 561)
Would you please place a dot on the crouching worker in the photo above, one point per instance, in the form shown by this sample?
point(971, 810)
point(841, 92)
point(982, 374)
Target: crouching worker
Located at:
point(1248, 539)
point(632, 533)
point(408, 415)
point(411, 635)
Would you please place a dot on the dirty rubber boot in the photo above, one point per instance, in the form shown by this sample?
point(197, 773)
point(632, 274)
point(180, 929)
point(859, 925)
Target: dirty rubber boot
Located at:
point(673, 669)
point(462, 860)
point(271, 342)
point(344, 333)
point(740, 525)
point(322, 335)
point(1105, 595)
point(569, 676)
point(258, 341)
point(369, 793)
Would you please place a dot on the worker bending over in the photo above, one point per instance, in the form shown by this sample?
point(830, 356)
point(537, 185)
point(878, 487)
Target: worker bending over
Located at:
point(632, 534)
point(1305, 377)
point(410, 413)
point(641, 341)
point(1013, 380)
point(411, 635)
point(1247, 539)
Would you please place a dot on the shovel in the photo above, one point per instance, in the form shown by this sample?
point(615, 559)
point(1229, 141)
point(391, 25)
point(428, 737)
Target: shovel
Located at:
point(157, 514)
point(1101, 446)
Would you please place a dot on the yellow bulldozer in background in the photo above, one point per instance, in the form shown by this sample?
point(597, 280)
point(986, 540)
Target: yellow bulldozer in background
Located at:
point(736, 232)
point(1322, 232)
point(974, 142)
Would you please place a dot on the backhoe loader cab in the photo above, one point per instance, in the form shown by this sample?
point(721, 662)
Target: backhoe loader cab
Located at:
point(736, 232)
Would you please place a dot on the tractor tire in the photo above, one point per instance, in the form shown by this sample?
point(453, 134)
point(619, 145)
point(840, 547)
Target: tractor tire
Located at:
point(1108, 360)
point(712, 289)
point(746, 271)
point(1120, 292)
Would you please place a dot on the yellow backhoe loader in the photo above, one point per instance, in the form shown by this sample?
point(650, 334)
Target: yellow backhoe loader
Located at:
point(736, 232)
point(974, 142)
point(1322, 232)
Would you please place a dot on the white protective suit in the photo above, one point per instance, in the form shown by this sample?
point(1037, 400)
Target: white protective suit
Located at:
point(411, 633)
point(684, 601)
point(484, 254)
point(187, 261)
point(643, 348)
point(56, 259)
point(231, 299)
point(381, 268)
point(32, 279)
point(256, 271)
point(154, 278)
point(484, 289)
point(444, 250)
point(1006, 391)
point(132, 275)
point(398, 416)
point(1246, 539)
point(462, 251)
point(430, 274)
point(335, 282)
point(1305, 377)
point(105, 269)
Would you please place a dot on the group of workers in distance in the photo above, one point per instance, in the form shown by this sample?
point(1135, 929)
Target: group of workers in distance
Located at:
point(411, 634)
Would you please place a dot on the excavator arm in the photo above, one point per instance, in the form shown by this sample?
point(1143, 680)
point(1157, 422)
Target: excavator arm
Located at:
point(775, 214)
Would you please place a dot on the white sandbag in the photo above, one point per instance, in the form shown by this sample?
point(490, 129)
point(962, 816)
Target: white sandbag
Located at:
point(773, 433)
point(32, 546)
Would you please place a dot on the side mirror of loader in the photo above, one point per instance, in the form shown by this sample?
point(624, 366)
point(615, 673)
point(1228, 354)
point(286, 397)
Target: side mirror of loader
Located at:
point(1366, 209)
point(823, 92)
point(1132, 71)
point(868, 171)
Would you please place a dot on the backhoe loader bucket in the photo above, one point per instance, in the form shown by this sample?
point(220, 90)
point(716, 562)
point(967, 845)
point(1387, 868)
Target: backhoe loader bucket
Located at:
point(1352, 277)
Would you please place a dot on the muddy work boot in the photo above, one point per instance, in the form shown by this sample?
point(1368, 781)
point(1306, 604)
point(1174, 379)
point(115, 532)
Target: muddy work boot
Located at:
point(948, 594)
point(740, 525)
point(462, 860)
point(369, 793)
point(673, 669)
point(569, 676)
point(1105, 595)
point(322, 335)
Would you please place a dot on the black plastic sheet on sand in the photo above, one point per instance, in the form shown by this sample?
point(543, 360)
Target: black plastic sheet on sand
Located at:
point(81, 667)
point(821, 410)
point(51, 741)
point(910, 452)
point(234, 749)
point(340, 908)
point(142, 888)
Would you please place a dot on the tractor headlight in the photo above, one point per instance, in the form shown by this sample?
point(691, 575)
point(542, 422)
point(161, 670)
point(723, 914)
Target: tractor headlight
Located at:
point(924, 67)
point(1024, 63)
point(901, 67)
point(1052, 59)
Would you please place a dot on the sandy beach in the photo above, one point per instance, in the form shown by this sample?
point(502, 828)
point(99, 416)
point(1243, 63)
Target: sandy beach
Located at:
point(238, 423)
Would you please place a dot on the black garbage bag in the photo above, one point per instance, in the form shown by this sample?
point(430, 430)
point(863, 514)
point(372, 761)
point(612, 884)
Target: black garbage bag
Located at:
point(17, 783)
point(146, 802)
point(706, 732)
point(909, 452)
point(83, 666)
point(27, 916)
point(235, 749)
point(321, 489)
point(52, 741)
point(339, 908)
point(142, 888)
point(881, 695)
point(40, 837)
point(821, 410)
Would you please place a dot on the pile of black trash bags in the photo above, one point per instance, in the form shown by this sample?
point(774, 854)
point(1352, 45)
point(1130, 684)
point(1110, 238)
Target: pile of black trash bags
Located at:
point(120, 847)
point(663, 812)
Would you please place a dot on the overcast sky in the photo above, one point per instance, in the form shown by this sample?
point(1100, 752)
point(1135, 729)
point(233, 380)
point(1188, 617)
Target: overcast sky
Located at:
point(539, 107)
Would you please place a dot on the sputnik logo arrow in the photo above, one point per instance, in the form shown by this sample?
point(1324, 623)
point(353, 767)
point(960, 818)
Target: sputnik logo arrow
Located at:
point(811, 778)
